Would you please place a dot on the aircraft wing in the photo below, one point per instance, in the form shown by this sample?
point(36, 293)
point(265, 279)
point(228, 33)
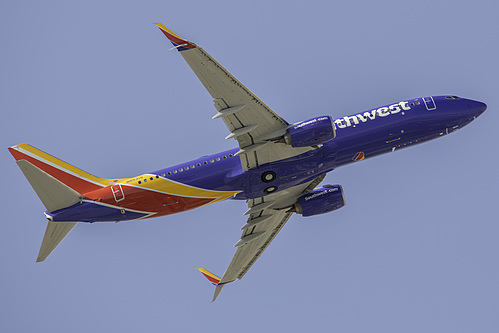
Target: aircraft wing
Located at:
point(267, 216)
point(250, 121)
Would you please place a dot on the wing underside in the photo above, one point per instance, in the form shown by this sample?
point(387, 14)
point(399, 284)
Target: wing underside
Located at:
point(250, 121)
point(267, 216)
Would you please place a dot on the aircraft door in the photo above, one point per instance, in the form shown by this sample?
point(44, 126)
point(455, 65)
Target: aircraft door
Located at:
point(118, 192)
point(429, 103)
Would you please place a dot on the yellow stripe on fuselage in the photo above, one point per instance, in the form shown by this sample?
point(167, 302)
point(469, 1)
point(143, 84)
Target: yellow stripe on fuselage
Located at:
point(157, 184)
point(172, 187)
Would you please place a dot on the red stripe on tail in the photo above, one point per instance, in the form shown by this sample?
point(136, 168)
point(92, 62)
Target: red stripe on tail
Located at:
point(76, 183)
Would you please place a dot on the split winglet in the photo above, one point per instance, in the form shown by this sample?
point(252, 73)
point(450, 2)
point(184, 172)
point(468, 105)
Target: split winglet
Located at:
point(178, 42)
point(215, 280)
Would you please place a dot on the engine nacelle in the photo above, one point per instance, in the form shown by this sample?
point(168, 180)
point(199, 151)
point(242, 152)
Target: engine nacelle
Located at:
point(310, 132)
point(321, 200)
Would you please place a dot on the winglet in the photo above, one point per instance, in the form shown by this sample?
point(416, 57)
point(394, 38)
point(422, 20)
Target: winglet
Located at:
point(178, 42)
point(218, 289)
point(215, 280)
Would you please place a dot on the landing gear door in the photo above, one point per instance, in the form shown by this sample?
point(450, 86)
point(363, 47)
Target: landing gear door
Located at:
point(429, 103)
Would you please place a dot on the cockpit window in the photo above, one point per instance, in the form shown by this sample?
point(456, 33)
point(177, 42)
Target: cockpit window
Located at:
point(452, 97)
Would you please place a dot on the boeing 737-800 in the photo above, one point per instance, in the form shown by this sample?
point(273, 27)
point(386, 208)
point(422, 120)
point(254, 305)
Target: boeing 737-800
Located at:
point(276, 168)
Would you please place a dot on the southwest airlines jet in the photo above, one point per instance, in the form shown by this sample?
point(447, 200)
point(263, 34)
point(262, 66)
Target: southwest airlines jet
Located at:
point(276, 168)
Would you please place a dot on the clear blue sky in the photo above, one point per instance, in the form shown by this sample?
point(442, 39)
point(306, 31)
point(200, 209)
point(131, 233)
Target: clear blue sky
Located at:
point(93, 83)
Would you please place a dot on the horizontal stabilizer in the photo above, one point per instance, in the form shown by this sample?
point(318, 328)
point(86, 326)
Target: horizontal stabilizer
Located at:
point(54, 234)
point(53, 193)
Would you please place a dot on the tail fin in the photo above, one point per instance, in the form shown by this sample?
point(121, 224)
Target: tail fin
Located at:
point(215, 280)
point(52, 192)
point(75, 178)
point(58, 185)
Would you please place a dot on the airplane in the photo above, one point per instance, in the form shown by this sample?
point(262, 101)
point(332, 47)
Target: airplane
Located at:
point(276, 168)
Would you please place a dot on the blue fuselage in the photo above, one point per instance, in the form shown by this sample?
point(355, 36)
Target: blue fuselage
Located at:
point(216, 177)
point(362, 135)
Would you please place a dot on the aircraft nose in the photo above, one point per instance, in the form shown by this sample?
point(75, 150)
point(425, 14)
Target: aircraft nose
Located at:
point(476, 107)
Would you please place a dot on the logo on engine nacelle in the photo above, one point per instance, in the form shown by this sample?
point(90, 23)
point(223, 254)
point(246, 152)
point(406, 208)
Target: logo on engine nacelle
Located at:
point(305, 123)
point(318, 194)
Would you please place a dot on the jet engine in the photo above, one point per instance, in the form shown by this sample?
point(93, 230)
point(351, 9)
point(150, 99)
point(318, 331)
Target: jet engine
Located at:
point(310, 132)
point(321, 200)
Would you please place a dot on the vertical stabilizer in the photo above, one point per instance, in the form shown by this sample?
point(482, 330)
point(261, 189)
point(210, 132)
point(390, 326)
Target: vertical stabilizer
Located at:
point(77, 179)
point(53, 193)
